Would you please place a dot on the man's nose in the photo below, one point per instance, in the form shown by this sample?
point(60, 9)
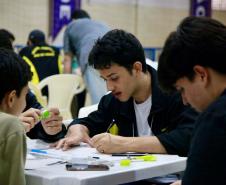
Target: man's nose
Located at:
point(110, 86)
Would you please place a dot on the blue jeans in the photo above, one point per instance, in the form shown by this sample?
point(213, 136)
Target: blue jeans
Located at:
point(95, 85)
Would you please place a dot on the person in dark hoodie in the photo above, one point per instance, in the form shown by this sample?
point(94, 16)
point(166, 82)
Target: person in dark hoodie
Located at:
point(147, 119)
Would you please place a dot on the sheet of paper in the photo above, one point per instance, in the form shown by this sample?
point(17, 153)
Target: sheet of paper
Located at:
point(32, 164)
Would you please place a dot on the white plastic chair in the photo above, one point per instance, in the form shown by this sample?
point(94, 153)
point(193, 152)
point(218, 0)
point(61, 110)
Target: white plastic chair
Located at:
point(37, 92)
point(85, 111)
point(61, 90)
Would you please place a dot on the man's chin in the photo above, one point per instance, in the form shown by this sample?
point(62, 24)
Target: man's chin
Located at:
point(122, 99)
point(198, 109)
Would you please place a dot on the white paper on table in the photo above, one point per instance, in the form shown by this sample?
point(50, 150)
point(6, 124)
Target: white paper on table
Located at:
point(36, 144)
point(38, 163)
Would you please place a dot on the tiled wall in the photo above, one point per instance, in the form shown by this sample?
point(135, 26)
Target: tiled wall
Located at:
point(21, 16)
point(150, 20)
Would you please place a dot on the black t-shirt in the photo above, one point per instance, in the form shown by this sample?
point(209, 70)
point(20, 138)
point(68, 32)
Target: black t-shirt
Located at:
point(206, 163)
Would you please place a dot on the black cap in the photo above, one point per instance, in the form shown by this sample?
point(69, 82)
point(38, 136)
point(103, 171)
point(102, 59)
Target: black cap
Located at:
point(36, 37)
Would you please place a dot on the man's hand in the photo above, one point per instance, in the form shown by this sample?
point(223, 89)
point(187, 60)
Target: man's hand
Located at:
point(176, 183)
point(29, 118)
point(53, 124)
point(76, 134)
point(108, 143)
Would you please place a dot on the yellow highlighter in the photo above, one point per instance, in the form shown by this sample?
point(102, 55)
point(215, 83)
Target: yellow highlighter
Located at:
point(146, 158)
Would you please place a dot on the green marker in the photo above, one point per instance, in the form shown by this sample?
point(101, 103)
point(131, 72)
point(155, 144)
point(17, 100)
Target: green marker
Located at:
point(44, 115)
point(146, 158)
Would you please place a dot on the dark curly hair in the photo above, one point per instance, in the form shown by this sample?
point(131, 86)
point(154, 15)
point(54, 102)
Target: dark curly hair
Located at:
point(119, 47)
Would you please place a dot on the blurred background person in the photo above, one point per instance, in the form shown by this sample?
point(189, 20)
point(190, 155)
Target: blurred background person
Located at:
point(43, 59)
point(79, 38)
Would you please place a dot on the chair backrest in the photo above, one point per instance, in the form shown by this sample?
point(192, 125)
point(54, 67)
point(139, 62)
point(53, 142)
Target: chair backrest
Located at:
point(37, 92)
point(85, 111)
point(61, 90)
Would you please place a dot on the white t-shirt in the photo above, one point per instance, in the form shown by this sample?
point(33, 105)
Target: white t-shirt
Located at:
point(142, 112)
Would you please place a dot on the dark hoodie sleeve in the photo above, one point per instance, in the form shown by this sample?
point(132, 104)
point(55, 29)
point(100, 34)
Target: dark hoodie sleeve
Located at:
point(98, 121)
point(32, 102)
point(38, 133)
point(181, 120)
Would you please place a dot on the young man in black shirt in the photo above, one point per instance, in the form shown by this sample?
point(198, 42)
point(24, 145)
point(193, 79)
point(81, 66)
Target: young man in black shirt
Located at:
point(193, 62)
point(147, 119)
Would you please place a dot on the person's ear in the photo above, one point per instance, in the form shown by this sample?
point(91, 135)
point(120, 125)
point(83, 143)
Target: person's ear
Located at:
point(29, 42)
point(201, 72)
point(10, 98)
point(137, 66)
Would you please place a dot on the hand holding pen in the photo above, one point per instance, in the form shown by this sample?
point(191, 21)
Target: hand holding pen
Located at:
point(106, 142)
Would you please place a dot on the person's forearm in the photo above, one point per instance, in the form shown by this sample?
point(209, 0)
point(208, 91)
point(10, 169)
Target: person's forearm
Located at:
point(82, 128)
point(143, 144)
point(80, 131)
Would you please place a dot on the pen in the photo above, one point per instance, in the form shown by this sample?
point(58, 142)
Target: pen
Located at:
point(38, 151)
point(57, 162)
point(45, 154)
point(111, 124)
point(95, 157)
point(129, 154)
point(50, 154)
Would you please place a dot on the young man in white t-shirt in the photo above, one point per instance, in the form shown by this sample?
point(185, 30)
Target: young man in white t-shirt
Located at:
point(147, 120)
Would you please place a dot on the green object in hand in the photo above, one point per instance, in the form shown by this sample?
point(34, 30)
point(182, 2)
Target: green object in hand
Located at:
point(44, 115)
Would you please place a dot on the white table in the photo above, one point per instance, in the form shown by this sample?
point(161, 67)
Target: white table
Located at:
point(57, 174)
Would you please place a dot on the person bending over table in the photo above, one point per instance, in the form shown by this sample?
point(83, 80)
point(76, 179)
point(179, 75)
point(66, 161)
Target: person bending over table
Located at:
point(193, 62)
point(147, 119)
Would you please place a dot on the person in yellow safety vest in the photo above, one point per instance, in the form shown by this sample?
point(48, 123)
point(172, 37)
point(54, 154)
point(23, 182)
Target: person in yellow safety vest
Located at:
point(44, 60)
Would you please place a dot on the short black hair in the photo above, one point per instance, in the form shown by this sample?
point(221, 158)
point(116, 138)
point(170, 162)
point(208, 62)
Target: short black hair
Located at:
point(7, 34)
point(37, 37)
point(79, 14)
point(5, 40)
point(119, 47)
point(197, 41)
point(14, 73)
